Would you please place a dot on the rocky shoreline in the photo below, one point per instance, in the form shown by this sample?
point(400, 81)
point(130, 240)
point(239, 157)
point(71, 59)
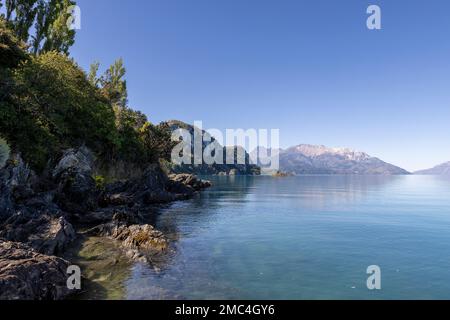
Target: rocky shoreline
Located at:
point(40, 216)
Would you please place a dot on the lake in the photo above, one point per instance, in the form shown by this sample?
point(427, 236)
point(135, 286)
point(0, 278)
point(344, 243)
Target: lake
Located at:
point(305, 237)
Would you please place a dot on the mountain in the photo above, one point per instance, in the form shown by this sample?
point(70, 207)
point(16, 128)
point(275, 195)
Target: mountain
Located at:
point(442, 169)
point(212, 169)
point(312, 159)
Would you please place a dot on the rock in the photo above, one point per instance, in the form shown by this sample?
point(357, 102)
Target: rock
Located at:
point(140, 242)
point(16, 181)
point(281, 174)
point(46, 234)
point(76, 186)
point(188, 180)
point(233, 172)
point(119, 199)
point(28, 275)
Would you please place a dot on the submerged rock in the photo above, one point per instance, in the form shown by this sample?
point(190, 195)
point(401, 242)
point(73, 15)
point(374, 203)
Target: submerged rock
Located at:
point(140, 242)
point(28, 275)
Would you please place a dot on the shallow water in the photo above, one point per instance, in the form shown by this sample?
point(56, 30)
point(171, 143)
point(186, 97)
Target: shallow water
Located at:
point(309, 237)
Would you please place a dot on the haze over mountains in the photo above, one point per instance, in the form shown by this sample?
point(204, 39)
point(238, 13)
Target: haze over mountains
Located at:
point(442, 169)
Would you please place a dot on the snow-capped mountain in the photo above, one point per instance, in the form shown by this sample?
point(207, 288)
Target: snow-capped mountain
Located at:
point(313, 159)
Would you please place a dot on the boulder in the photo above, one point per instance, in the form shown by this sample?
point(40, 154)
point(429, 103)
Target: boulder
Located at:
point(45, 233)
point(76, 190)
point(28, 275)
point(16, 181)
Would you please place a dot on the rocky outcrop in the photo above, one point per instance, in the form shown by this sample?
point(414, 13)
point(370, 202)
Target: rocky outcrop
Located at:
point(189, 181)
point(28, 275)
point(75, 184)
point(16, 181)
point(45, 233)
point(154, 187)
point(39, 217)
point(140, 242)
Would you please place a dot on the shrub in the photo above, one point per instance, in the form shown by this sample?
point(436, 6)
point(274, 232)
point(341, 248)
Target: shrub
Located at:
point(53, 107)
point(100, 182)
point(4, 152)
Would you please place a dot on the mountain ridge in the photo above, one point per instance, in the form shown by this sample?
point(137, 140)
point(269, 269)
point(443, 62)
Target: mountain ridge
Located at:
point(319, 159)
point(441, 169)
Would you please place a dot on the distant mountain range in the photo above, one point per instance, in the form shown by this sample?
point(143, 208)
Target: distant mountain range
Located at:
point(299, 160)
point(442, 169)
point(313, 159)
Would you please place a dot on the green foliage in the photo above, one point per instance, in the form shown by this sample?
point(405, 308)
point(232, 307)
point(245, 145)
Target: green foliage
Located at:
point(48, 104)
point(4, 152)
point(12, 50)
point(92, 76)
point(58, 36)
point(100, 182)
point(54, 107)
point(157, 141)
point(114, 87)
point(41, 23)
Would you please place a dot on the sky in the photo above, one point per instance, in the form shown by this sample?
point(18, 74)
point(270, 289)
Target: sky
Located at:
point(310, 68)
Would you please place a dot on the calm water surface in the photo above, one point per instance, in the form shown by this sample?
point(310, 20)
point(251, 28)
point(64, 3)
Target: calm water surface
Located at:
point(309, 237)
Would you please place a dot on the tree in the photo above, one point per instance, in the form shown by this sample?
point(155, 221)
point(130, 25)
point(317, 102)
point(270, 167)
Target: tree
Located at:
point(25, 14)
point(157, 141)
point(114, 87)
point(41, 23)
point(93, 72)
point(54, 107)
point(59, 37)
point(12, 50)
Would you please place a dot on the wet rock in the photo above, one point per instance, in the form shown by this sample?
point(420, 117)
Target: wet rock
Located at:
point(188, 180)
point(140, 242)
point(28, 275)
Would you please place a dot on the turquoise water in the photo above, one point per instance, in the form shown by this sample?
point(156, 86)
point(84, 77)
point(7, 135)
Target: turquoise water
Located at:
point(309, 237)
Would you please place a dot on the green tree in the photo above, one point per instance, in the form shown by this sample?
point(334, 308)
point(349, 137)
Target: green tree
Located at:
point(114, 86)
point(93, 74)
point(25, 14)
point(41, 23)
point(54, 107)
point(58, 35)
point(12, 50)
point(157, 141)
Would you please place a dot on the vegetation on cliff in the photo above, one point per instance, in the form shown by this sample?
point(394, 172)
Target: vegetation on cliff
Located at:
point(4, 152)
point(48, 103)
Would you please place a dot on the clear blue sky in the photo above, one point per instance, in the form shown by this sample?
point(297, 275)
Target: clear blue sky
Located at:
point(309, 68)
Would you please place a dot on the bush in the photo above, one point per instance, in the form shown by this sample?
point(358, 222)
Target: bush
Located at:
point(53, 107)
point(4, 152)
point(48, 104)
point(100, 182)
